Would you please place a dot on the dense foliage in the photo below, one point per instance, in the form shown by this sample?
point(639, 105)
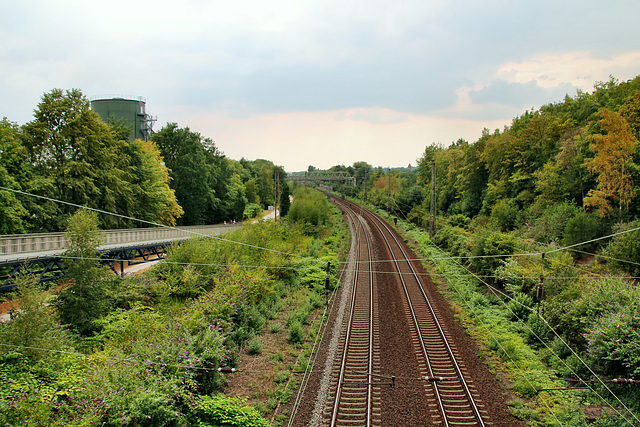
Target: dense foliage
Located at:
point(582, 152)
point(580, 331)
point(309, 208)
point(149, 352)
point(551, 203)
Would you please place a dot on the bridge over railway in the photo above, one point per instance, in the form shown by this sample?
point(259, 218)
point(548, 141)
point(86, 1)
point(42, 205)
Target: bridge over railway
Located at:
point(321, 176)
point(40, 254)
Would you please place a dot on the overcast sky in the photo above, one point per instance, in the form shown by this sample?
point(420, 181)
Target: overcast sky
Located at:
point(321, 82)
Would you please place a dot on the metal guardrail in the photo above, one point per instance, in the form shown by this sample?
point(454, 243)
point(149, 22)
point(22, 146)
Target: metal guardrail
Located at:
point(40, 253)
point(26, 244)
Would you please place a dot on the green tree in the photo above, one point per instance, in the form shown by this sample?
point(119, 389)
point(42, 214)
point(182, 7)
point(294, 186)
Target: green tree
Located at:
point(285, 202)
point(235, 201)
point(195, 173)
point(266, 189)
point(155, 200)
point(85, 299)
point(13, 166)
point(78, 157)
point(362, 174)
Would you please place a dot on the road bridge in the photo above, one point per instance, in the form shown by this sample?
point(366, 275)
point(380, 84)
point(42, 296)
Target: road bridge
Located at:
point(40, 254)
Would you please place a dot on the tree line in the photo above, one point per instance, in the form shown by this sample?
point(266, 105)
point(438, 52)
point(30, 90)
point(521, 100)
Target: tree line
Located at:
point(68, 153)
point(565, 173)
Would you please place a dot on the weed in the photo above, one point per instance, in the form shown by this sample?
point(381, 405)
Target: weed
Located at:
point(255, 346)
point(296, 333)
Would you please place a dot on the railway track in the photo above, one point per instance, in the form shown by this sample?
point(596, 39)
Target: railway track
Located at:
point(355, 400)
point(358, 385)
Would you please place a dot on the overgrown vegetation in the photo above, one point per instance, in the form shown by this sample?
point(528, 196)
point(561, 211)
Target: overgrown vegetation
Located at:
point(585, 328)
point(149, 353)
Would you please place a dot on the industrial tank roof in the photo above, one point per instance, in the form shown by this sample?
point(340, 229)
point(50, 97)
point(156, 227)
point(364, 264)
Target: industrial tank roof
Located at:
point(124, 97)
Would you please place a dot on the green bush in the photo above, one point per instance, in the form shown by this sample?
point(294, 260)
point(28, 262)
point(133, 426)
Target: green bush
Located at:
point(252, 210)
point(34, 327)
point(309, 208)
point(222, 411)
point(613, 342)
point(87, 297)
point(624, 249)
point(255, 346)
point(459, 220)
point(520, 306)
point(296, 333)
point(549, 225)
point(583, 227)
point(282, 376)
point(490, 252)
point(504, 215)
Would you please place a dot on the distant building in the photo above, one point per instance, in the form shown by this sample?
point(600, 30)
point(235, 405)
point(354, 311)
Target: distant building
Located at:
point(130, 108)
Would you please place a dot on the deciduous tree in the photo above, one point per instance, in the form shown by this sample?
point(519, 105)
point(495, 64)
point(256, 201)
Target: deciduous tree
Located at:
point(612, 164)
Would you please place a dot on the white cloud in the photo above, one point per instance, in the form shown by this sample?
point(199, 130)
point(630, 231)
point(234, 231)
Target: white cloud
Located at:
point(544, 78)
point(580, 69)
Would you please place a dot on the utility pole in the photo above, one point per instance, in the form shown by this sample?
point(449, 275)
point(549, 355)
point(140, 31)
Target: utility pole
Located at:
point(365, 185)
point(389, 188)
point(277, 194)
point(433, 199)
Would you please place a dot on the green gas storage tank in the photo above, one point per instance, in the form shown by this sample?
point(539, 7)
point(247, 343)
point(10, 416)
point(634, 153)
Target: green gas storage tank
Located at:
point(130, 108)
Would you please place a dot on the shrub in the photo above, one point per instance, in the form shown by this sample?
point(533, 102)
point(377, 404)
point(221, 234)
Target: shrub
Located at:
point(504, 214)
point(275, 328)
point(86, 298)
point(624, 249)
point(549, 225)
point(255, 346)
point(219, 410)
point(583, 227)
point(282, 376)
point(459, 220)
point(309, 208)
point(520, 306)
point(252, 210)
point(613, 340)
point(34, 326)
point(296, 333)
point(489, 253)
